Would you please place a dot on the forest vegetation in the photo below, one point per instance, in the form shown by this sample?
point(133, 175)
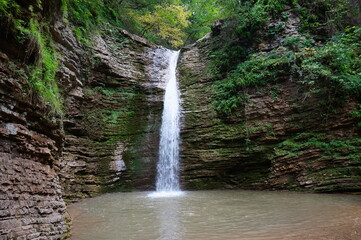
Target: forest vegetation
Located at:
point(328, 51)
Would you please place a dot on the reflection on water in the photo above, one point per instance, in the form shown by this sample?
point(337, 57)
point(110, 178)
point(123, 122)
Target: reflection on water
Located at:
point(170, 226)
point(216, 215)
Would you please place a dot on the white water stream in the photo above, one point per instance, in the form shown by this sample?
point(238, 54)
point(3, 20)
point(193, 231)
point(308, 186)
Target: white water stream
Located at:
point(167, 182)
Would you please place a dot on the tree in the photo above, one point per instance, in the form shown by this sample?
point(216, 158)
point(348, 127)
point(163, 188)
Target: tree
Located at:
point(204, 14)
point(168, 22)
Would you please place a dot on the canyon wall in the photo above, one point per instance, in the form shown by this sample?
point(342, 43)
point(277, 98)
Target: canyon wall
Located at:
point(282, 137)
point(112, 122)
point(105, 139)
point(31, 203)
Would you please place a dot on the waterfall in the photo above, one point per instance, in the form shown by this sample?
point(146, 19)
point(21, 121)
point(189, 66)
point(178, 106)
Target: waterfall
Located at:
point(167, 182)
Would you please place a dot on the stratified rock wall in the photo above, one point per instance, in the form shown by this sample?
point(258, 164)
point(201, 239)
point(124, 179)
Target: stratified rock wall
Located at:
point(282, 138)
point(31, 203)
point(214, 152)
point(107, 138)
point(113, 116)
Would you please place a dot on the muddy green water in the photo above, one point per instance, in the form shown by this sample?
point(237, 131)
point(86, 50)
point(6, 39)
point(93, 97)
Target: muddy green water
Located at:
point(218, 215)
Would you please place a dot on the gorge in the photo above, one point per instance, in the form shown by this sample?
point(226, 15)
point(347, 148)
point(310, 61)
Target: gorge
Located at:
point(297, 130)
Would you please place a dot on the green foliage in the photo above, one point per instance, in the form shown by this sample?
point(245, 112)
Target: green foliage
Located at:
point(335, 65)
point(357, 114)
point(252, 17)
point(246, 19)
point(203, 14)
point(322, 13)
point(296, 43)
point(337, 62)
point(8, 8)
point(10, 17)
point(167, 22)
point(26, 31)
point(42, 77)
point(259, 69)
point(161, 21)
point(328, 147)
point(85, 15)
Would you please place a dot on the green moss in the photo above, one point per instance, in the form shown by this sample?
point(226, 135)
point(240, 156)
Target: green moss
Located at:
point(204, 184)
point(42, 77)
point(119, 119)
point(27, 31)
point(285, 152)
point(328, 147)
point(327, 175)
point(262, 128)
point(68, 222)
point(125, 92)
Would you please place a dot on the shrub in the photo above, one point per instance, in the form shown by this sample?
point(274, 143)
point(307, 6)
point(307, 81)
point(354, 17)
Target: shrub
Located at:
point(335, 66)
point(260, 69)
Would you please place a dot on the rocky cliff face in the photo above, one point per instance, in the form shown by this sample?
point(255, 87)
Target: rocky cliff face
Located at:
point(106, 140)
point(31, 203)
point(112, 121)
point(282, 138)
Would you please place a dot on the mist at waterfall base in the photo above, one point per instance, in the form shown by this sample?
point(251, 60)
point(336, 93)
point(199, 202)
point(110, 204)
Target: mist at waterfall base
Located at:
point(167, 182)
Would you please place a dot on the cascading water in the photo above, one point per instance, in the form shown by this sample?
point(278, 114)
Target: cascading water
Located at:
point(167, 183)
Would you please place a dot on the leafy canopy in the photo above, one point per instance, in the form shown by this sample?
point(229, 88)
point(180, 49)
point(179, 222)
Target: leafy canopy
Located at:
point(167, 21)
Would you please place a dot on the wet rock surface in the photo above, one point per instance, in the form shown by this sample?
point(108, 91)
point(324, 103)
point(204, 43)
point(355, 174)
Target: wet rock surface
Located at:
point(112, 126)
point(31, 203)
point(106, 140)
point(282, 138)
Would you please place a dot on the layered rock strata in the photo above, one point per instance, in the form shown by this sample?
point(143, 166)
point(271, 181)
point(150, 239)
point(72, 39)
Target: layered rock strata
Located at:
point(106, 139)
point(31, 203)
point(282, 138)
point(112, 127)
